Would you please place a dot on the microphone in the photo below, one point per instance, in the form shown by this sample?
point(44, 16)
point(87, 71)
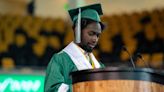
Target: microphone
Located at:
point(131, 59)
point(140, 57)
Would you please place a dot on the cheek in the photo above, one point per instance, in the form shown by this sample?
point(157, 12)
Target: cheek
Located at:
point(85, 39)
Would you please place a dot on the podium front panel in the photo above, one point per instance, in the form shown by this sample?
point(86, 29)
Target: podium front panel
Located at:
point(118, 80)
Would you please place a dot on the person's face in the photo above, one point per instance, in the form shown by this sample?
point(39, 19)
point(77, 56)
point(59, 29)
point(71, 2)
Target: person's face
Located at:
point(90, 36)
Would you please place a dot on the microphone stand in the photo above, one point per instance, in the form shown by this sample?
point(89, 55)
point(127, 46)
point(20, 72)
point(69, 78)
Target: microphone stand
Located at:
point(131, 59)
point(140, 56)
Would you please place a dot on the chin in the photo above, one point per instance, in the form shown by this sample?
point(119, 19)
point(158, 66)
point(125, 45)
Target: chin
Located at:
point(86, 48)
point(89, 49)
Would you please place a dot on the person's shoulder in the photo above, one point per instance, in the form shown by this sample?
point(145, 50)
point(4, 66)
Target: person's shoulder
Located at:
point(60, 55)
point(61, 58)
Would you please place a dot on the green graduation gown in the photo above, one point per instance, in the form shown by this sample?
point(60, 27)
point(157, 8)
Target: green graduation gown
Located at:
point(58, 72)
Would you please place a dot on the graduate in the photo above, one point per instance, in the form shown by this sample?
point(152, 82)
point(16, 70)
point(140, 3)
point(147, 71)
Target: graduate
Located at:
point(77, 55)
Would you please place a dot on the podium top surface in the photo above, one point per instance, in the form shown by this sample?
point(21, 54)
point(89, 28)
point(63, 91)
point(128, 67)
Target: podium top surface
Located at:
point(115, 73)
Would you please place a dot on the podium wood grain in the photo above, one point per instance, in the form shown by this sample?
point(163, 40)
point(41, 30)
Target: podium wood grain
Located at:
point(117, 86)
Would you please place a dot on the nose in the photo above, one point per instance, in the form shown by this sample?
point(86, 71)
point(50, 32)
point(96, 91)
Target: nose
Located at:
point(94, 39)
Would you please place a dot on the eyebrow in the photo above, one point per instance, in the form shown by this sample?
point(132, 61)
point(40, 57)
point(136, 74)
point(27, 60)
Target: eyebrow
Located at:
point(95, 32)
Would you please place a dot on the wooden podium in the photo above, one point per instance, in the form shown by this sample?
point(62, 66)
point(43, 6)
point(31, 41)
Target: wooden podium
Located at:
point(118, 80)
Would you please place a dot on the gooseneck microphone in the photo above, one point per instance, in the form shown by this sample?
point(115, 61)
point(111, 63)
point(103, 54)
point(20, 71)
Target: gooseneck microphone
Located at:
point(131, 59)
point(140, 57)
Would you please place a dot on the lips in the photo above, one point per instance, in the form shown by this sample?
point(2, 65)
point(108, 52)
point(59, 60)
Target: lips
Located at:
point(91, 45)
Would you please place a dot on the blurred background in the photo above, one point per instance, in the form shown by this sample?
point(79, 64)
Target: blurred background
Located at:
point(31, 31)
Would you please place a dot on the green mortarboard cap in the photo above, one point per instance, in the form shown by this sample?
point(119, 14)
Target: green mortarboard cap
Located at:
point(90, 12)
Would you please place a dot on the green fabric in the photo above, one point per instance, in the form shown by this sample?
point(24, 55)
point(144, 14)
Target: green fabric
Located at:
point(58, 72)
point(89, 14)
point(92, 12)
point(102, 65)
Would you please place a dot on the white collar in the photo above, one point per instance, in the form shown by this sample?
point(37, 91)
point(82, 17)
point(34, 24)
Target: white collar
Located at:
point(78, 57)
